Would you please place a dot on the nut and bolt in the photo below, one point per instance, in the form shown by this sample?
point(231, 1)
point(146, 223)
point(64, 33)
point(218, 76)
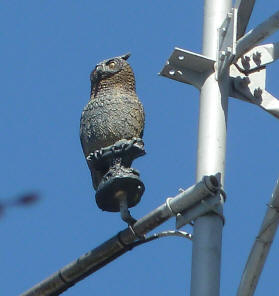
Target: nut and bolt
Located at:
point(222, 55)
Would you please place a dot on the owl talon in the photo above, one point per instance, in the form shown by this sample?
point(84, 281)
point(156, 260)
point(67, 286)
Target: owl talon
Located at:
point(124, 146)
point(97, 154)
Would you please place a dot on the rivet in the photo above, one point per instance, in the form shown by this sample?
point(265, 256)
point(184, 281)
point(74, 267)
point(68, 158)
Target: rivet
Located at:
point(222, 55)
point(229, 50)
point(224, 30)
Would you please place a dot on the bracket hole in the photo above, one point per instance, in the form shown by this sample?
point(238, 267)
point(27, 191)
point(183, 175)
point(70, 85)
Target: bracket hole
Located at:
point(181, 58)
point(172, 72)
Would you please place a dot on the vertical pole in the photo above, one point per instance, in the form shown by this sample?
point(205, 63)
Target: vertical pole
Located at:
point(207, 242)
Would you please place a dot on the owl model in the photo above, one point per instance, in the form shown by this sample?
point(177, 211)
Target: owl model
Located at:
point(113, 112)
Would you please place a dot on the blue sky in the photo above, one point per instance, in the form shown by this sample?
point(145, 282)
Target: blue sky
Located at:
point(48, 49)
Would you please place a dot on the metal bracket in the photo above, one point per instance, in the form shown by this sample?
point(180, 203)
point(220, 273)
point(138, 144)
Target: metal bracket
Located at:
point(226, 43)
point(258, 57)
point(188, 67)
point(248, 72)
point(210, 204)
point(257, 35)
point(251, 88)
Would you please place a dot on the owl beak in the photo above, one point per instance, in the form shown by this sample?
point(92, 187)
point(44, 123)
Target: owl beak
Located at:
point(96, 74)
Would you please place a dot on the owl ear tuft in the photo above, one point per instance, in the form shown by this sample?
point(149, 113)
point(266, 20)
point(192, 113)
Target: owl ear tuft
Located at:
point(125, 56)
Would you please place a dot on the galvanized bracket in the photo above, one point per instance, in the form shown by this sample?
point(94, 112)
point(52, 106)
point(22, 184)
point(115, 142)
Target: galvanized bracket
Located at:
point(247, 73)
point(188, 67)
point(251, 88)
point(211, 204)
point(226, 43)
point(258, 57)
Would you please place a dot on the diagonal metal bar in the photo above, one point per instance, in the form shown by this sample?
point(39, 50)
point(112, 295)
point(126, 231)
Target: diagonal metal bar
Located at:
point(244, 11)
point(258, 57)
point(260, 249)
point(124, 241)
point(257, 35)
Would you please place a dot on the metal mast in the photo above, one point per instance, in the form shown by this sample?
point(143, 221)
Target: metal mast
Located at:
point(207, 241)
point(226, 68)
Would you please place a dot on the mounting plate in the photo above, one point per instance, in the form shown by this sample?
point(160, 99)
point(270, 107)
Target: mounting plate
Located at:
point(188, 67)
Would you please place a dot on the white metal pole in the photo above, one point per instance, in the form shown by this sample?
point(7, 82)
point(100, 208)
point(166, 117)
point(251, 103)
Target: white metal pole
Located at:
point(207, 241)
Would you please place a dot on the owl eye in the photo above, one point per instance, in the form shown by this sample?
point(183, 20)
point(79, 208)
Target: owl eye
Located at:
point(112, 65)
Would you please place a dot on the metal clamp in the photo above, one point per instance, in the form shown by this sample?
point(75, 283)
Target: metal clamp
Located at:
point(207, 205)
point(169, 207)
point(213, 208)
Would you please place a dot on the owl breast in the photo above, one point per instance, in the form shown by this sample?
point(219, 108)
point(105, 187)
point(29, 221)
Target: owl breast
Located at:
point(110, 118)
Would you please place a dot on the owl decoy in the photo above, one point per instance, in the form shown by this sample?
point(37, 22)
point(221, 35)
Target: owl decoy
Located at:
point(113, 113)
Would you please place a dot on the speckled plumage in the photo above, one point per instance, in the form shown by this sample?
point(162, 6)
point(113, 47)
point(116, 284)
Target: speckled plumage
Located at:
point(114, 111)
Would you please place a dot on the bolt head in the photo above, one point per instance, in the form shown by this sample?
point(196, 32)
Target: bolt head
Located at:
point(172, 72)
point(224, 30)
point(229, 50)
point(222, 55)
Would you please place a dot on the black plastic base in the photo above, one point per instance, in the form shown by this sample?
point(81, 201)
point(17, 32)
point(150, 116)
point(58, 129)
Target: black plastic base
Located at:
point(108, 191)
point(118, 178)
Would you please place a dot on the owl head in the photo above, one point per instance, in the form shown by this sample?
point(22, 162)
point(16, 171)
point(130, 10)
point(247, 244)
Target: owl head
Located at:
point(108, 68)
